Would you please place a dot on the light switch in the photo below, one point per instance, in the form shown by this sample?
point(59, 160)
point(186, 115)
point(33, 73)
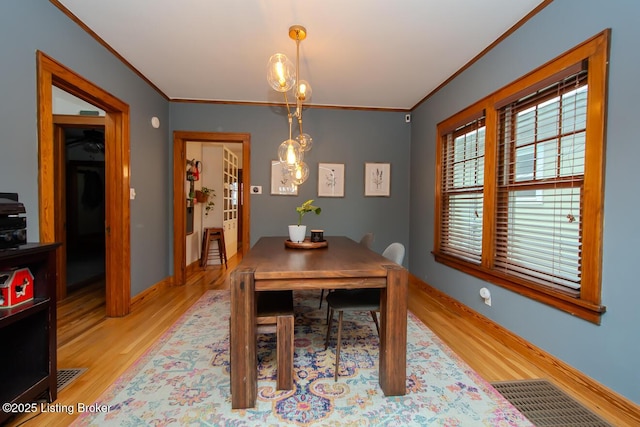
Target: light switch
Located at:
point(132, 193)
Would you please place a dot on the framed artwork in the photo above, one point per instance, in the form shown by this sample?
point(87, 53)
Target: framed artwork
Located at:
point(281, 181)
point(377, 179)
point(331, 180)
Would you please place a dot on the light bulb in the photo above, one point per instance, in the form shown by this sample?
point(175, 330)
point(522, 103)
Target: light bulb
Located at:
point(301, 173)
point(290, 154)
point(303, 91)
point(305, 141)
point(280, 73)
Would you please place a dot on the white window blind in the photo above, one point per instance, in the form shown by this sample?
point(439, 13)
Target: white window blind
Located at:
point(541, 151)
point(462, 191)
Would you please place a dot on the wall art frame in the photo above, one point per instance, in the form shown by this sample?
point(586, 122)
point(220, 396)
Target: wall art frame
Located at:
point(330, 179)
point(377, 179)
point(281, 180)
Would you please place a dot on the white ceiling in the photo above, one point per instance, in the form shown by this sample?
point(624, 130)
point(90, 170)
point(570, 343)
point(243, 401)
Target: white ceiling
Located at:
point(358, 53)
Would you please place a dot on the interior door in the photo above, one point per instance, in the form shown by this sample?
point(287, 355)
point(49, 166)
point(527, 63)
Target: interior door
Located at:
point(230, 201)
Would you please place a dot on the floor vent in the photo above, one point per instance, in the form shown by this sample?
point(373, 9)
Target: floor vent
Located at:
point(66, 376)
point(545, 405)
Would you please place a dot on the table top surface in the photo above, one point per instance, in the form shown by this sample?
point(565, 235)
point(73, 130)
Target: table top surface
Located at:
point(342, 258)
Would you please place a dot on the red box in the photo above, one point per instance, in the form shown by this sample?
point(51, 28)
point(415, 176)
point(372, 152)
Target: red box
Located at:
point(16, 287)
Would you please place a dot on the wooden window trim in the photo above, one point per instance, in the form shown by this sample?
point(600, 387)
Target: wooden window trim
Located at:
point(585, 303)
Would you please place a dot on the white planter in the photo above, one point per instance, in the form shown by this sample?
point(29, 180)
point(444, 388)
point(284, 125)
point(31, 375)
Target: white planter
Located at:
point(297, 233)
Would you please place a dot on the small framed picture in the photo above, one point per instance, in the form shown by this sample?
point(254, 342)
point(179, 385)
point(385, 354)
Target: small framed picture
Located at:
point(331, 180)
point(281, 180)
point(377, 179)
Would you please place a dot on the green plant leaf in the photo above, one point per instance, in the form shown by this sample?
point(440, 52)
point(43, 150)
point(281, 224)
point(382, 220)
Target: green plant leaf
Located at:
point(307, 207)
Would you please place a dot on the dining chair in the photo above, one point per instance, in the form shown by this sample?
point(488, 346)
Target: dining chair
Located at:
point(342, 300)
point(367, 242)
point(274, 314)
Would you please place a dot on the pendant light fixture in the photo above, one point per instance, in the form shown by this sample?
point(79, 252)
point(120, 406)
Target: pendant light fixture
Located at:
point(284, 77)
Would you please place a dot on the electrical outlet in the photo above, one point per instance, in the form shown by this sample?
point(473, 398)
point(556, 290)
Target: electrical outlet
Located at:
point(256, 189)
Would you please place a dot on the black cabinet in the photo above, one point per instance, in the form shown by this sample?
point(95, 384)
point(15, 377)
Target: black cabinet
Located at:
point(28, 344)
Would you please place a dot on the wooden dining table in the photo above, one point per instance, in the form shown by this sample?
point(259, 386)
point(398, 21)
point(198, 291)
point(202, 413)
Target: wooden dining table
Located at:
point(343, 264)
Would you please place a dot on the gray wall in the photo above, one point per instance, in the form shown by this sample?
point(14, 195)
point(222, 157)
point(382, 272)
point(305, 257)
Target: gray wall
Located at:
point(30, 25)
point(340, 136)
point(609, 352)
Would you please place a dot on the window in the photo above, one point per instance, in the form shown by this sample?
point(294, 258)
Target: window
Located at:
point(541, 142)
point(463, 182)
point(520, 183)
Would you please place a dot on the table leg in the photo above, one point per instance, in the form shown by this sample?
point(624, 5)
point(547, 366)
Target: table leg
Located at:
point(393, 332)
point(242, 333)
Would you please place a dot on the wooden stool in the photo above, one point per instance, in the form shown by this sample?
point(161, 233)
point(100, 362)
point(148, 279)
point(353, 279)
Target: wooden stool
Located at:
point(209, 234)
point(275, 314)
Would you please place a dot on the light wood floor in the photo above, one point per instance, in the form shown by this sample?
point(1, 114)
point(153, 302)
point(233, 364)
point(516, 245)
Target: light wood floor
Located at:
point(109, 346)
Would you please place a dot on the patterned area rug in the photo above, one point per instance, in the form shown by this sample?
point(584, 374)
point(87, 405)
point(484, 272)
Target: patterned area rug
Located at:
point(184, 379)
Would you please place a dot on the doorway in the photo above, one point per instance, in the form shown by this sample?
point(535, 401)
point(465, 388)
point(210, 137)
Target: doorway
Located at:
point(85, 207)
point(51, 201)
point(215, 168)
point(180, 139)
point(81, 188)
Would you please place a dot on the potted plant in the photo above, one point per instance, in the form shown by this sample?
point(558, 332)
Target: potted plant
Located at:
point(297, 232)
point(205, 195)
point(202, 195)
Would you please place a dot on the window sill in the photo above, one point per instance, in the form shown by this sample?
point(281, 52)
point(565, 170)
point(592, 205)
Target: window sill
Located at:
point(561, 300)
